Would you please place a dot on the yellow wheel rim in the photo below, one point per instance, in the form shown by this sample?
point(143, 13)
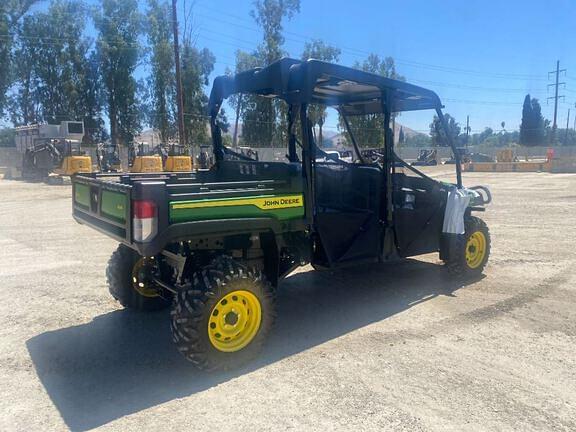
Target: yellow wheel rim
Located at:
point(234, 321)
point(142, 287)
point(475, 249)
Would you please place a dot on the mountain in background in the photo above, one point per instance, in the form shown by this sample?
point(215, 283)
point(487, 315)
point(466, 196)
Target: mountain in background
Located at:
point(331, 137)
point(338, 140)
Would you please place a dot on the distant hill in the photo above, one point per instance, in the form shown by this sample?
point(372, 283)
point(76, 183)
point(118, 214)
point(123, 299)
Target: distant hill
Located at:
point(331, 137)
point(339, 140)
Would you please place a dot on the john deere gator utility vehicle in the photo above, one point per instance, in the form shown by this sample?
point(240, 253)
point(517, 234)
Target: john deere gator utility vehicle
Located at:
point(214, 245)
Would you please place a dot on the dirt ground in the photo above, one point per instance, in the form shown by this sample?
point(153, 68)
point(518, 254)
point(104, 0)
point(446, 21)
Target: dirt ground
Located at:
point(382, 347)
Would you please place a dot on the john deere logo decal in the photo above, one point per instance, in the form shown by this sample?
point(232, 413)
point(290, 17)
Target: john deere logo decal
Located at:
point(282, 203)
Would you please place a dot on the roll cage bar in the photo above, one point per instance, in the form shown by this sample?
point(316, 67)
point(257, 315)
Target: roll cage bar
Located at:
point(351, 91)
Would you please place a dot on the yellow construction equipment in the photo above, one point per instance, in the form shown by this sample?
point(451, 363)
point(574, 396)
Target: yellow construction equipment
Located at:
point(52, 150)
point(144, 164)
point(506, 155)
point(177, 159)
point(143, 159)
point(74, 164)
point(178, 163)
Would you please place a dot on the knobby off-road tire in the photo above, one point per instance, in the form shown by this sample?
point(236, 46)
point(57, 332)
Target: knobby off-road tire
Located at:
point(472, 250)
point(223, 317)
point(123, 282)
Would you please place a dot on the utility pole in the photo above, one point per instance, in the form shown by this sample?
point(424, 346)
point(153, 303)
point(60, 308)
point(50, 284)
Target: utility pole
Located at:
point(556, 97)
point(467, 128)
point(179, 100)
point(566, 132)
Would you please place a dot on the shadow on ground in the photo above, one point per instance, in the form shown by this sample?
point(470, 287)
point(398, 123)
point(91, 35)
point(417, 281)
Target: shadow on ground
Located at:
point(123, 362)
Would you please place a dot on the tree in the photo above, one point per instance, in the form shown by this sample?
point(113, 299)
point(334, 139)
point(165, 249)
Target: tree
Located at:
point(161, 99)
point(5, 49)
point(484, 135)
point(438, 133)
point(92, 100)
point(532, 127)
point(11, 11)
point(119, 25)
point(418, 140)
point(57, 79)
point(7, 136)
point(319, 50)
point(369, 129)
point(244, 61)
point(262, 117)
point(269, 15)
point(197, 65)
point(526, 124)
point(25, 107)
point(401, 137)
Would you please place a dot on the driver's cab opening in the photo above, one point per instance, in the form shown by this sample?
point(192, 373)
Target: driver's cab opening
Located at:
point(370, 208)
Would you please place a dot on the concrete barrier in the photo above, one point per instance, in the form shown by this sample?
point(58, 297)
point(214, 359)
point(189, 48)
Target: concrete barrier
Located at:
point(10, 157)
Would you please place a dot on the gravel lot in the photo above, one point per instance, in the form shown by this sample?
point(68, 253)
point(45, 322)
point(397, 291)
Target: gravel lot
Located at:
point(388, 347)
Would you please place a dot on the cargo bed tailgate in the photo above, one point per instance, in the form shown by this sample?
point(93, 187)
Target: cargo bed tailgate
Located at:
point(104, 205)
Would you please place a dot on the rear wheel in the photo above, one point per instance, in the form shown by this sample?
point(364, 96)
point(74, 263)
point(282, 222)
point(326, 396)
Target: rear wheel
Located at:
point(472, 249)
point(128, 276)
point(221, 320)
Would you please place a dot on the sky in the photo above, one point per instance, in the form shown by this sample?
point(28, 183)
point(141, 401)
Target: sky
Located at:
point(481, 57)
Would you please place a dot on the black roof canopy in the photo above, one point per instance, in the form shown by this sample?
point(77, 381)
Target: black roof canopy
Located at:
point(312, 81)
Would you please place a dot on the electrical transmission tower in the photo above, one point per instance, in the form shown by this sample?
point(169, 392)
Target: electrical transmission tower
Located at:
point(556, 97)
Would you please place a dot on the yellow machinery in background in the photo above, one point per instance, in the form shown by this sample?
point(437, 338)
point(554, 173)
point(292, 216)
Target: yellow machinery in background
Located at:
point(177, 159)
point(506, 155)
point(506, 161)
point(74, 164)
point(204, 160)
point(178, 163)
point(143, 159)
point(108, 158)
point(147, 164)
point(50, 151)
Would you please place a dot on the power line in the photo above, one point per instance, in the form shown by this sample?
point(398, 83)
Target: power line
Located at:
point(179, 97)
point(555, 97)
point(302, 38)
point(128, 46)
point(406, 62)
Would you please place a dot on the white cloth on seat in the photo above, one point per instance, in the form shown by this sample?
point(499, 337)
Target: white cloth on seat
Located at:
point(456, 204)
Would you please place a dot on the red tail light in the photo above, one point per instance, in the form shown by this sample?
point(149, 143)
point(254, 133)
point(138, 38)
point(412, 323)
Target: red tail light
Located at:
point(145, 220)
point(144, 209)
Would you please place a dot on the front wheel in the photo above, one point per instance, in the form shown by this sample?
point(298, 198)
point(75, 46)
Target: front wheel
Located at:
point(470, 255)
point(221, 320)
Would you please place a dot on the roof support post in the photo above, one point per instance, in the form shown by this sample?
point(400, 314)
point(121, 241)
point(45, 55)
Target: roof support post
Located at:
point(452, 144)
point(216, 133)
point(292, 113)
point(308, 159)
point(389, 155)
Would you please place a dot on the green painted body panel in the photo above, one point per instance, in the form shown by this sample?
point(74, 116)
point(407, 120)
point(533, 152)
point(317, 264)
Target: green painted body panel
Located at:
point(186, 215)
point(235, 208)
point(82, 194)
point(114, 205)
